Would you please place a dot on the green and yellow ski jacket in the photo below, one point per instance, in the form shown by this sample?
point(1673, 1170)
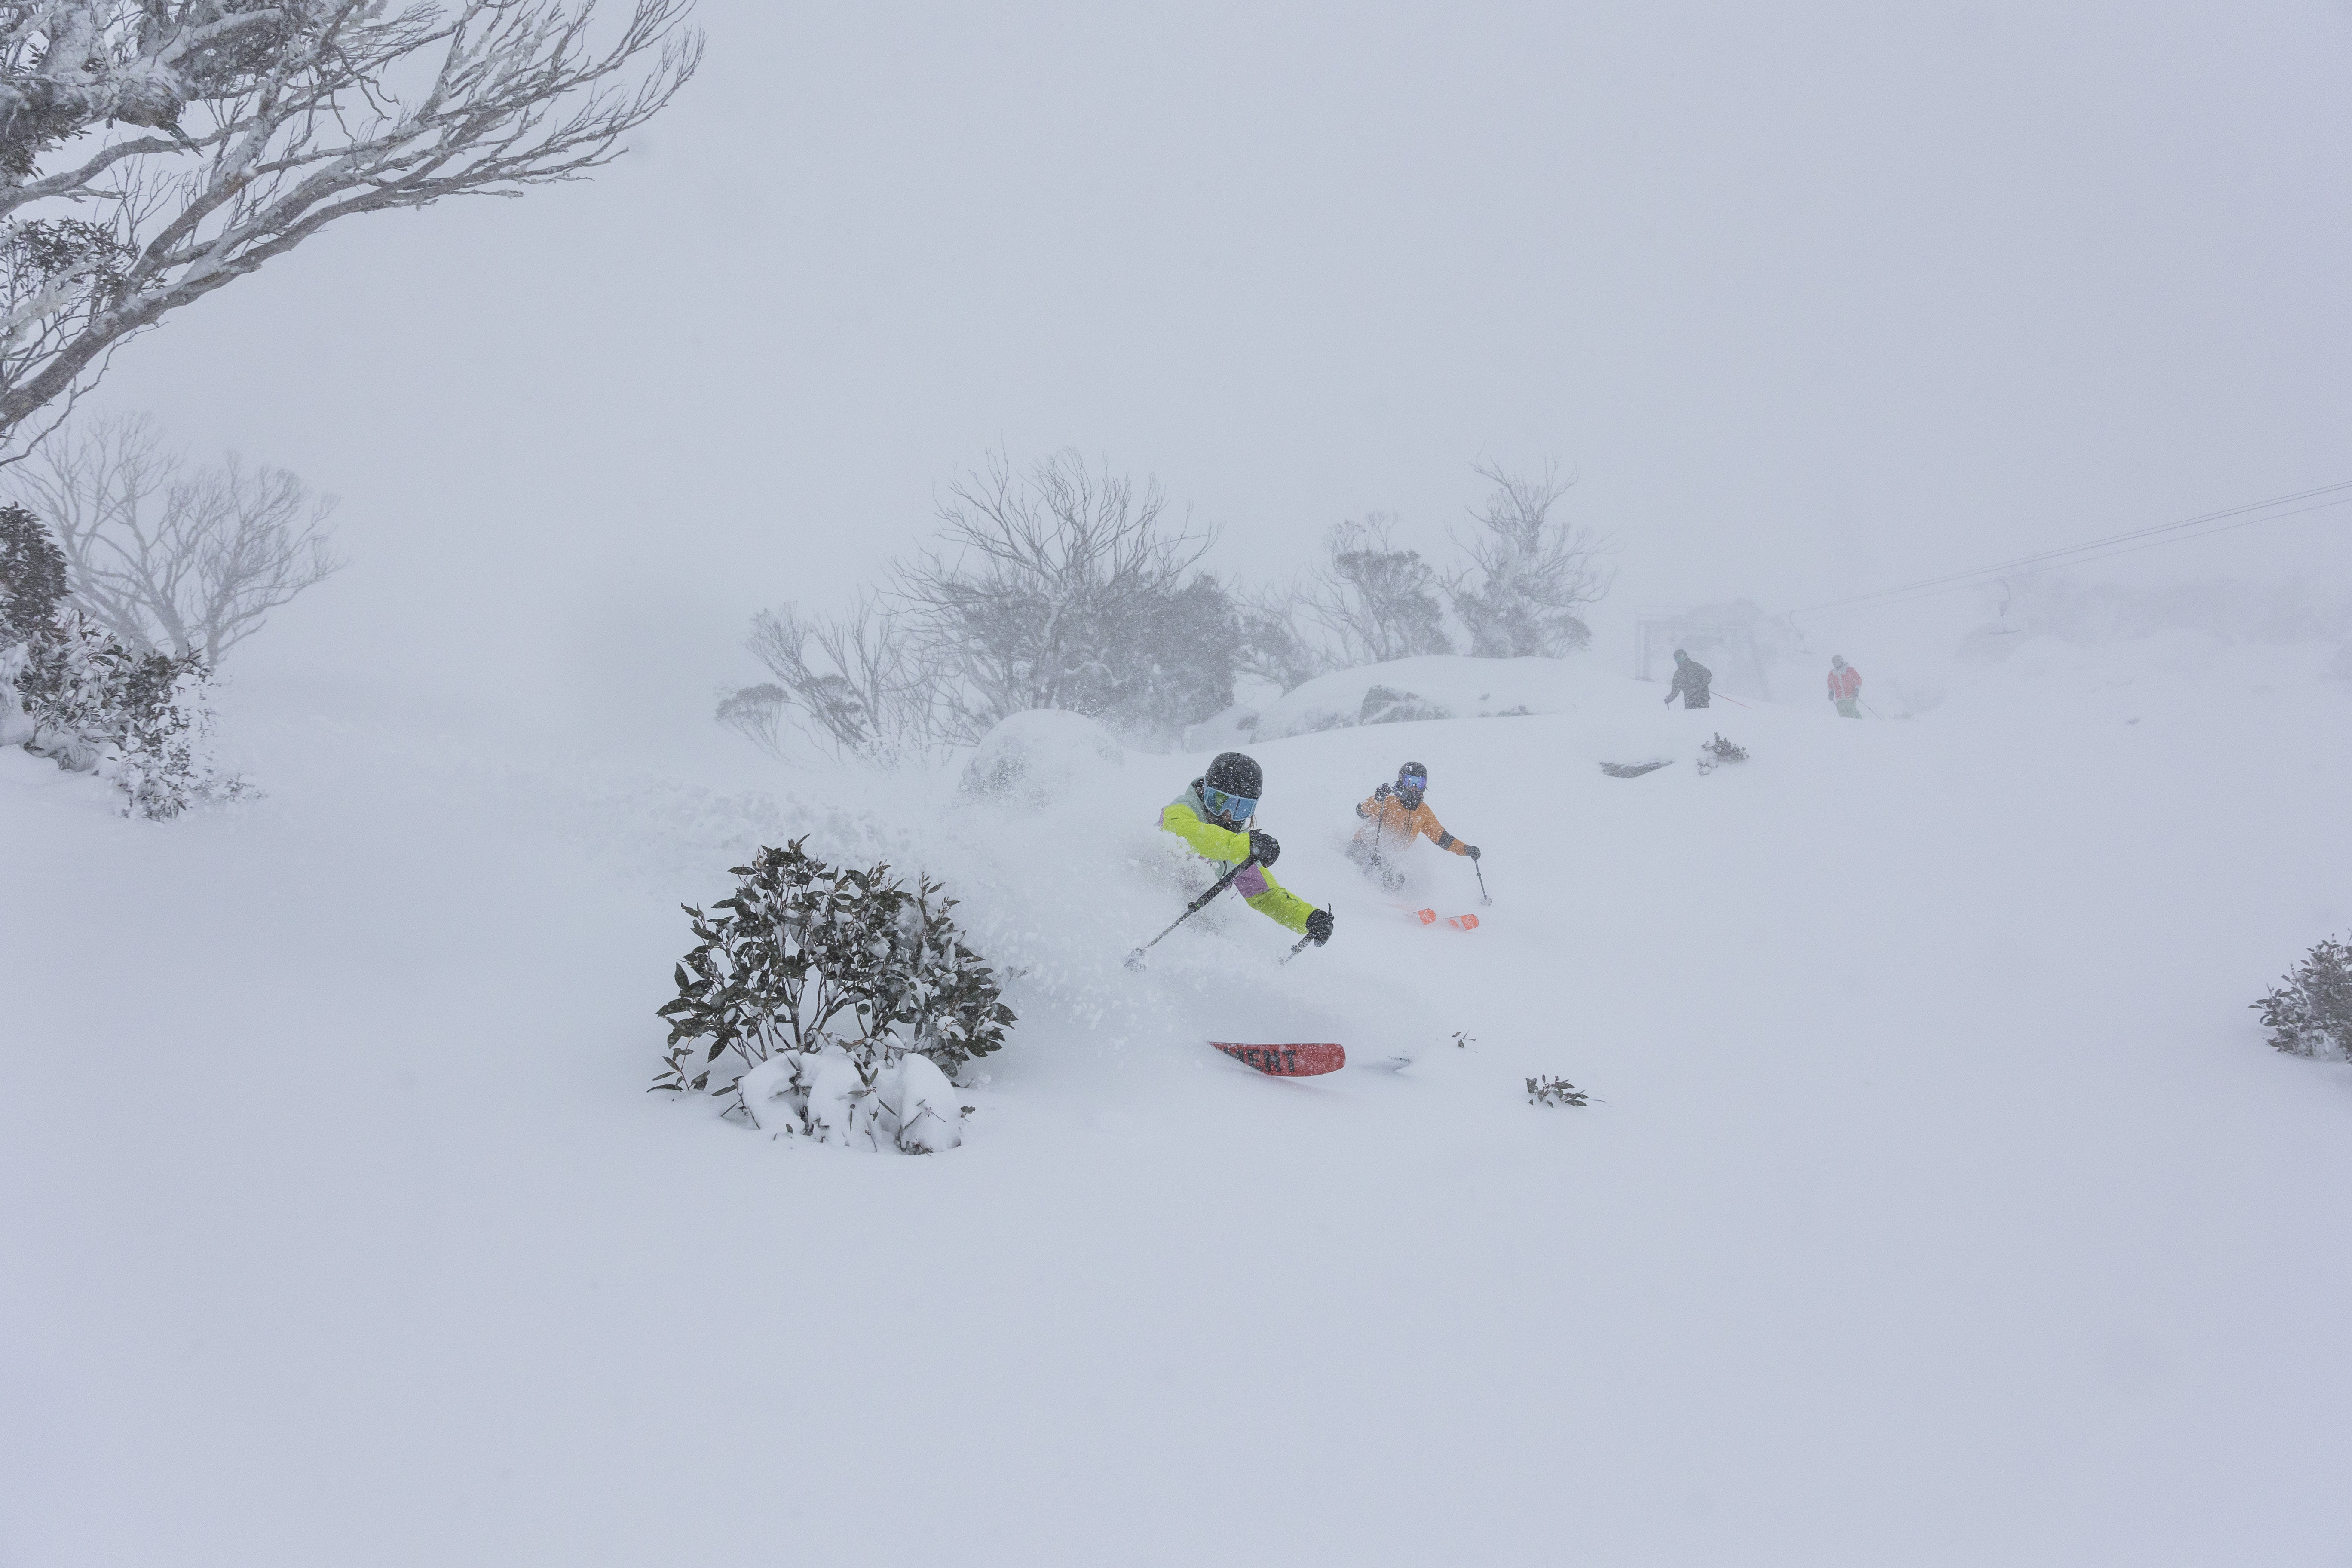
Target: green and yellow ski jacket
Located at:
point(1187, 817)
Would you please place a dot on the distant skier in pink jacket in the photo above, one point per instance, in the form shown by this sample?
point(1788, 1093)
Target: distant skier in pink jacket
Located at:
point(1845, 687)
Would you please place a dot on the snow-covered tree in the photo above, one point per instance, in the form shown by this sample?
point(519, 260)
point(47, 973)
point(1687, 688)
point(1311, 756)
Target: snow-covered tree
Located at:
point(1065, 587)
point(861, 685)
point(154, 151)
point(1529, 574)
point(170, 558)
point(1060, 588)
point(1373, 600)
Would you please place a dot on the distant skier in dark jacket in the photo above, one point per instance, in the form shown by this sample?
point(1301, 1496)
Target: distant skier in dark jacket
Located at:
point(1691, 679)
point(1394, 815)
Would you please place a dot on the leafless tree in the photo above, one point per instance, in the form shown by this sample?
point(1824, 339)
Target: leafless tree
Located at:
point(1065, 588)
point(172, 559)
point(858, 685)
point(1533, 574)
point(1274, 645)
point(254, 125)
point(1373, 601)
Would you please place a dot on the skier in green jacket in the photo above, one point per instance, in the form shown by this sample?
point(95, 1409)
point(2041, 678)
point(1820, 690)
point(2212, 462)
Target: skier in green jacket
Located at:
point(1213, 815)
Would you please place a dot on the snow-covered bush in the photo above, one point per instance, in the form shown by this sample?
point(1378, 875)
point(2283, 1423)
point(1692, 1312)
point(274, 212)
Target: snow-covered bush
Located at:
point(71, 692)
point(2309, 1012)
point(1713, 753)
point(823, 983)
point(1542, 1090)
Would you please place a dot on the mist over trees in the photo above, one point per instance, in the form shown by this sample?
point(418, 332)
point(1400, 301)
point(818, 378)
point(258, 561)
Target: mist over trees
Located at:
point(170, 557)
point(1529, 574)
point(254, 127)
point(1058, 586)
point(1068, 586)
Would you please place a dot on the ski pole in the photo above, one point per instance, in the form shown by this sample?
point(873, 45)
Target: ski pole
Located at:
point(1484, 895)
point(1873, 712)
point(1733, 701)
point(1135, 959)
point(1299, 947)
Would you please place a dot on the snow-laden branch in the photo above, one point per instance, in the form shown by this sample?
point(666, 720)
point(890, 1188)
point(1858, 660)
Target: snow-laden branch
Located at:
point(279, 120)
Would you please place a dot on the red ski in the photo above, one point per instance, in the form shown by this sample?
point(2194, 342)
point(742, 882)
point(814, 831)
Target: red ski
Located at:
point(1288, 1060)
point(1459, 922)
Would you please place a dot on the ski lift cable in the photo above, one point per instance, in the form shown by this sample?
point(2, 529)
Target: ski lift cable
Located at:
point(2159, 533)
point(1943, 585)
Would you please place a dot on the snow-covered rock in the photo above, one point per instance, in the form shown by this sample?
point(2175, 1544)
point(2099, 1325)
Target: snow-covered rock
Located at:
point(1435, 686)
point(1042, 758)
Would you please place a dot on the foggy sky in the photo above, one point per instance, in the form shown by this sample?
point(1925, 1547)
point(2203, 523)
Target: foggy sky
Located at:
point(1813, 299)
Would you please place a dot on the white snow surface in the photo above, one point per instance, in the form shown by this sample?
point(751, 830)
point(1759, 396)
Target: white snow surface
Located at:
point(1939, 1202)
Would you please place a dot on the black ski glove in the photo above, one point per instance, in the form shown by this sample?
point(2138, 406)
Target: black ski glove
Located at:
point(1319, 926)
point(1470, 850)
point(1382, 792)
point(1263, 847)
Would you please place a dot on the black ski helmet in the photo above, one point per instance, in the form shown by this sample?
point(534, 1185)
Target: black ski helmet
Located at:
point(1411, 792)
point(1235, 775)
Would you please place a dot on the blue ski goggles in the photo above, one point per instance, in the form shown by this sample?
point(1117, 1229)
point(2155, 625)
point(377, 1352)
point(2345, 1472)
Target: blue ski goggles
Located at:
point(1413, 781)
point(1234, 808)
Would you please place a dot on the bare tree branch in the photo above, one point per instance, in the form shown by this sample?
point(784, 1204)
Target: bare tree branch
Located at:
point(1533, 574)
point(277, 121)
point(170, 559)
point(855, 685)
point(1374, 600)
point(1043, 583)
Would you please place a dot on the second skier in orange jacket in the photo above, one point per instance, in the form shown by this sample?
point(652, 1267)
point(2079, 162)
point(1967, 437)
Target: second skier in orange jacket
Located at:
point(1394, 815)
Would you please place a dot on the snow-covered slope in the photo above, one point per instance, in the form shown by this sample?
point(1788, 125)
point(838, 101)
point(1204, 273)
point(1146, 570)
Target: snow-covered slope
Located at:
point(1939, 1202)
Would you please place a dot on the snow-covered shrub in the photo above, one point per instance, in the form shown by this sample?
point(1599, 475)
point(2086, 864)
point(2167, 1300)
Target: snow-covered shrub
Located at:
point(1555, 1091)
point(1713, 753)
point(143, 721)
point(2309, 1012)
point(71, 690)
point(1393, 705)
point(823, 983)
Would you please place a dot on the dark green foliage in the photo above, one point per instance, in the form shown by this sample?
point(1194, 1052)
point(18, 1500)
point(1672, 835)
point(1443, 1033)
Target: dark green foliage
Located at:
point(805, 954)
point(32, 577)
point(2309, 1012)
point(1555, 1091)
point(39, 252)
point(142, 718)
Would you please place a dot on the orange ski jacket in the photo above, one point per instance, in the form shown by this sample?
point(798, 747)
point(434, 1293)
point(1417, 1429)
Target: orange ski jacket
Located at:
point(1389, 826)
